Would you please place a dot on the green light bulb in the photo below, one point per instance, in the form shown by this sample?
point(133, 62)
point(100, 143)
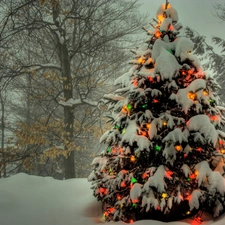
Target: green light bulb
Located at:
point(144, 106)
point(133, 180)
point(129, 106)
point(157, 148)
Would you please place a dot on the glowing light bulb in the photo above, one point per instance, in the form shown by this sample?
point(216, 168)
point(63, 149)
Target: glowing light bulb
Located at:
point(148, 125)
point(178, 147)
point(192, 96)
point(199, 149)
point(157, 148)
point(123, 184)
point(144, 106)
point(188, 212)
point(144, 175)
point(141, 61)
point(160, 17)
point(133, 180)
point(106, 214)
point(150, 79)
point(157, 34)
point(205, 93)
point(129, 106)
point(135, 82)
point(222, 151)
point(164, 195)
point(119, 197)
point(132, 158)
point(144, 133)
point(124, 109)
point(192, 176)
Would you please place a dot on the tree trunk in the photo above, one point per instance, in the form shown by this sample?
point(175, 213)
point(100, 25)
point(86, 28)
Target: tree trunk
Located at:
point(3, 138)
point(68, 111)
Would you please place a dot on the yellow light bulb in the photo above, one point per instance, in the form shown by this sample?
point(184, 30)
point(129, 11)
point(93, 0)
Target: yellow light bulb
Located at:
point(188, 212)
point(205, 93)
point(164, 195)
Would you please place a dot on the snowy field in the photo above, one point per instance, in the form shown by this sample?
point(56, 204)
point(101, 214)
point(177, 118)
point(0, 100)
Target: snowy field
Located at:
point(32, 200)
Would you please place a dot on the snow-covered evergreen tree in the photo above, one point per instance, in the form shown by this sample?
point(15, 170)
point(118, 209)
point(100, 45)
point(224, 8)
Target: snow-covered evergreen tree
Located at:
point(165, 154)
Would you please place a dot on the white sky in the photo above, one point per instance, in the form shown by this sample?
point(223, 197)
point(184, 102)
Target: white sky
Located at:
point(197, 14)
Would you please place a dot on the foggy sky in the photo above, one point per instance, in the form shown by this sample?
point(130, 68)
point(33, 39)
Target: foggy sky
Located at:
point(197, 14)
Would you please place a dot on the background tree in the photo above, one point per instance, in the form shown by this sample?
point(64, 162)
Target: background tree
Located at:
point(56, 53)
point(212, 55)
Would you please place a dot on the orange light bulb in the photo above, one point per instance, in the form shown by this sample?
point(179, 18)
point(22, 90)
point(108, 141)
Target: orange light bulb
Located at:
point(132, 158)
point(190, 72)
point(157, 34)
point(178, 147)
point(192, 96)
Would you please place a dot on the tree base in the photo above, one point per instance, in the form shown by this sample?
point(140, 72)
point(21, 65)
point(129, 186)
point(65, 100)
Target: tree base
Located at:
point(177, 212)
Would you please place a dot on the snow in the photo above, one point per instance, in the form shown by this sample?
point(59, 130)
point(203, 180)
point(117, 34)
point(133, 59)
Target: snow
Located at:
point(130, 136)
point(194, 202)
point(71, 102)
point(197, 86)
point(166, 24)
point(175, 136)
point(27, 200)
point(135, 191)
point(157, 180)
point(166, 65)
point(182, 48)
point(124, 80)
point(170, 12)
point(202, 124)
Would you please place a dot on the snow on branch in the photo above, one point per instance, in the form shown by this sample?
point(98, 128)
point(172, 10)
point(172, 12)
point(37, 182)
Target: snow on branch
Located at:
point(202, 124)
point(72, 102)
point(43, 66)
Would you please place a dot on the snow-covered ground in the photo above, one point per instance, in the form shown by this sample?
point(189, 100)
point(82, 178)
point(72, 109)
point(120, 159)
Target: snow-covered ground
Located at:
point(32, 200)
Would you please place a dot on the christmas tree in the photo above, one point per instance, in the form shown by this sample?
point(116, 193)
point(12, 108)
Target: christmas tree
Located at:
point(165, 151)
